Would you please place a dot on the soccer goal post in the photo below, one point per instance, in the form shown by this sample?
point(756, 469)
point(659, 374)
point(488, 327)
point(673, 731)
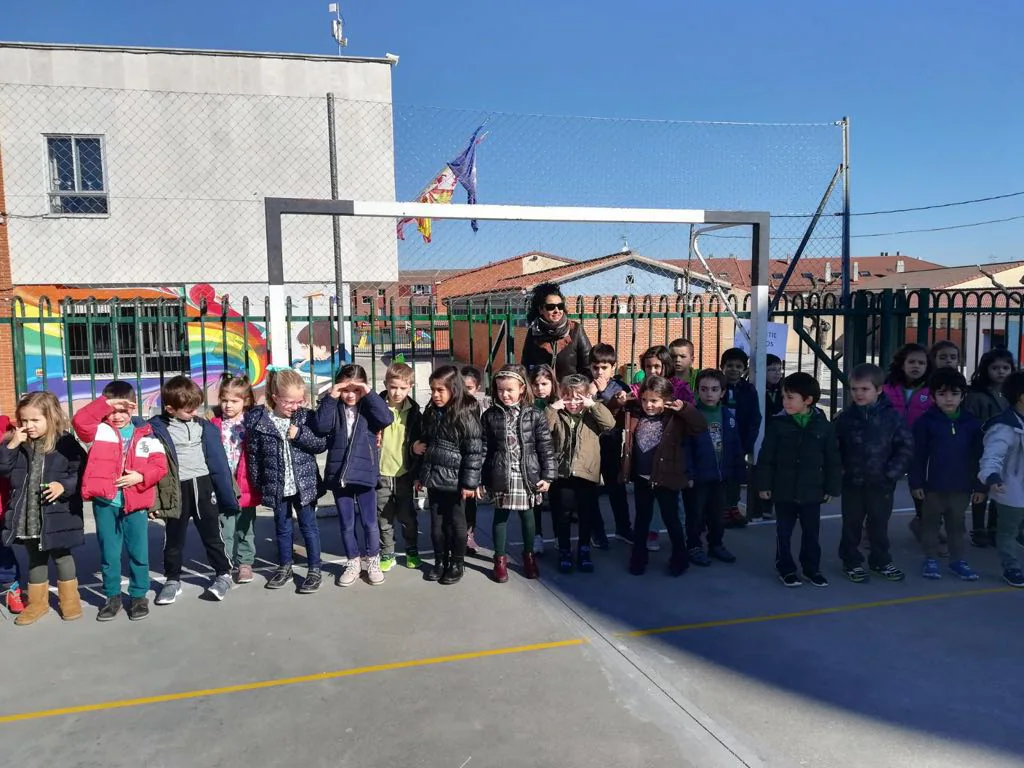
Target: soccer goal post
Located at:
point(759, 238)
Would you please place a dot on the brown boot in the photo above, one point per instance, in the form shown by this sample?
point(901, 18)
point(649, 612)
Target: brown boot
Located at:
point(530, 569)
point(38, 604)
point(69, 601)
point(500, 574)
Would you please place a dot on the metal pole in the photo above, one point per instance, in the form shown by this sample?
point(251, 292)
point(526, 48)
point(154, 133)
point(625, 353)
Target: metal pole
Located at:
point(332, 143)
point(846, 304)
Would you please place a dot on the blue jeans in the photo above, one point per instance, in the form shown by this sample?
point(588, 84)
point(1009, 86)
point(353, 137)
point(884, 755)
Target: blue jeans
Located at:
point(285, 534)
point(10, 570)
point(358, 502)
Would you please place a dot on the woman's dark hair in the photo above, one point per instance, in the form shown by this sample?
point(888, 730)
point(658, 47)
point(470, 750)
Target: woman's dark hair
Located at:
point(661, 353)
point(462, 406)
point(351, 372)
point(660, 386)
point(980, 381)
point(896, 374)
point(540, 293)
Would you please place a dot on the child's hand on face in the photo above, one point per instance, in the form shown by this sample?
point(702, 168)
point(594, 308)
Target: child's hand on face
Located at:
point(621, 397)
point(675, 405)
point(122, 406)
point(128, 479)
point(18, 436)
point(917, 493)
point(558, 405)
point(293, 432)
point(588, 402)
point(53, 492)
point(419, 448)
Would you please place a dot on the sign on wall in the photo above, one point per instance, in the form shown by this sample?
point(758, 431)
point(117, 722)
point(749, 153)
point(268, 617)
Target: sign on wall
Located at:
point(778, 336)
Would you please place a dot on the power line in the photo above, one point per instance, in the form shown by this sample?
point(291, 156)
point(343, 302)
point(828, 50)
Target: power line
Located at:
point(934, 207)
point(943, 229)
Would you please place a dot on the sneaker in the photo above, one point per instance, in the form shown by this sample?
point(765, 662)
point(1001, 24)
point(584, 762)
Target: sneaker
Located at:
point(930, 569)
point(699, 557)
point(374, 571)
point(245, 574)
point(282, 577)
point(470, 543)
point(583, 561)
point(312, 582)
point(350, 575)
point(890, 572)
point(734, 518)
point(723, 554)
point(110, 609)
point(387, 562)
point(653, 545)
point(138, 609)
point(817, 579)
point(168, 593)
point(963, 570)
point(857, 574)
point(565, 561)
point(600, 540)
point(412, 558)
point(1014, 577)
point(790, 580)
point(538, 545)
point(220, 586)
point(13, 599)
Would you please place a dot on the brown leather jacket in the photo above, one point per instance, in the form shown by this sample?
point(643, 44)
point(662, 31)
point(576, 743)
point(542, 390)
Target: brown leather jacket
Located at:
point(670, 456)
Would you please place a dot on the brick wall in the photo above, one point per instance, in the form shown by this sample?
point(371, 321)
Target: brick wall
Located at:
point(8, 396)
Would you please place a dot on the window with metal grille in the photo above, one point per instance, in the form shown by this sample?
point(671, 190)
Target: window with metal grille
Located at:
point(144, 338)
point(422, 289)
point(77, 175)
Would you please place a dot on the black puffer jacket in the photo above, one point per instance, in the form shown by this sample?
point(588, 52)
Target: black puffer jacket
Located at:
point(454, 455)
point(875, 444)
point(537, 450)
point(800, 464)
point(63, 525)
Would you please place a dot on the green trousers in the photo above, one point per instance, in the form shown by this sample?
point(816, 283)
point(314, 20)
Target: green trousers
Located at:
point(117, 532)
point(239, 534)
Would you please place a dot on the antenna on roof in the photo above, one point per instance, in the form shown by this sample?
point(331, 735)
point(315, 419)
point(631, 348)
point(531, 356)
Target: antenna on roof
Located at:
point(625, 245)
point(338, 26)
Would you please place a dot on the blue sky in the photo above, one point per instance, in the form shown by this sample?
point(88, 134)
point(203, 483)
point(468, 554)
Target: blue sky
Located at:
point(932, 88)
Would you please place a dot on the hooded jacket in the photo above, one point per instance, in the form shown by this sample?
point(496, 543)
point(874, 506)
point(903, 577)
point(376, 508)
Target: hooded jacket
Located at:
point(946, 452)
point(1002, 459)
point(914, 408)
point(577, 440)
point(216, 463)
point(875, 443)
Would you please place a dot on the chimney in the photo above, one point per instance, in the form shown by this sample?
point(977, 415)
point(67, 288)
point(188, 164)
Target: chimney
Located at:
point(828, 271)
point(901, 265)
point(855, 273)
point(897, 253)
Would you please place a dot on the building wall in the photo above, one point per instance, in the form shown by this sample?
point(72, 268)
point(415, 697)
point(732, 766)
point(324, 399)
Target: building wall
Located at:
point(192, 144)
point(647, 281)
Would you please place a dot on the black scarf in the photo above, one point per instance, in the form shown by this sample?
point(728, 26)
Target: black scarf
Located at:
point(542, 330)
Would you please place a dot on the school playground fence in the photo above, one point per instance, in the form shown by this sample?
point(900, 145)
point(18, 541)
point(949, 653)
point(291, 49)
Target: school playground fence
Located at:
point(72, 347)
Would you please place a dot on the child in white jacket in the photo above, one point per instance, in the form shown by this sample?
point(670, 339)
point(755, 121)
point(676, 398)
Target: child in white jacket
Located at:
point(1002, 470)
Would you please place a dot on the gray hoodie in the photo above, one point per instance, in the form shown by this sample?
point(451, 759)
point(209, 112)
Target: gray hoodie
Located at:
point(1002, 462)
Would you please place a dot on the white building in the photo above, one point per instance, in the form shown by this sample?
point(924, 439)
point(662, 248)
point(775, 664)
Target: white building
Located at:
point(131, 172)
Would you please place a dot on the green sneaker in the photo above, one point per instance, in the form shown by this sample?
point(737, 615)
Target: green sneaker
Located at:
point(412, 559)
point(387, 562)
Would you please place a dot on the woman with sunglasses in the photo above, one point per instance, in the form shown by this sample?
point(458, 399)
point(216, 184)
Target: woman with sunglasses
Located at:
point(552, 338)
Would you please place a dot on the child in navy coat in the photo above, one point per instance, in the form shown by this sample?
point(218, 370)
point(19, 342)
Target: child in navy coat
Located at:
point(716, 459)
point(742, 399)
point(943, 471)
point(350, 417)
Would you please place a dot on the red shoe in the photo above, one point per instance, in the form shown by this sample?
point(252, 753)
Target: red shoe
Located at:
point(734, 518)
point(530, 569)
point(500, 574)
point(13, 599)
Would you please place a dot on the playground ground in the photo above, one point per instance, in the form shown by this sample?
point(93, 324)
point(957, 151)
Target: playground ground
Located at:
point(721, 667)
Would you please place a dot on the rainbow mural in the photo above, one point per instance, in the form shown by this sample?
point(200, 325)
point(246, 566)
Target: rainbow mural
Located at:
point(219, 339)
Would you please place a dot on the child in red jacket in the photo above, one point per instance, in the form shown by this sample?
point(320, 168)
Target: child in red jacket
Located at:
point(125, 463)
point(10, 571)
point(238, 531)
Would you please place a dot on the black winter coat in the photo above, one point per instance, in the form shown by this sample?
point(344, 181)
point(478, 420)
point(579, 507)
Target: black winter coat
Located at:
point(537, 449)
point(875, 444)
point(800, 464)
point(567, 355)
point(62, 524)
point(354, 461)
point(454, 456)
point(264, 451)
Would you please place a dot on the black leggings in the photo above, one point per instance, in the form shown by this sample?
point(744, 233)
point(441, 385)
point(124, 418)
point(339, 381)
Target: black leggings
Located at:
point(39, 563)
point(447, 524)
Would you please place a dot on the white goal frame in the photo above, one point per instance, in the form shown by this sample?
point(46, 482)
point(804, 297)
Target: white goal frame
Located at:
point(759, 221)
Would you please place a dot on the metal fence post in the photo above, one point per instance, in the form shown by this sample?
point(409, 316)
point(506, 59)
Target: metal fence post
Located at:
point(924, 315)
point(886, 328)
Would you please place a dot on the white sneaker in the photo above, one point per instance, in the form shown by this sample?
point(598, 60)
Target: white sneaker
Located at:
point(538, 545)
point(653, 545)
point(373, 571)
point(350, 575)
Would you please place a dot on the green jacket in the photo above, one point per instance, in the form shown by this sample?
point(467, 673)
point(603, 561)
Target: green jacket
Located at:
point(577, 440)
point(800, 464)
point(168, 492)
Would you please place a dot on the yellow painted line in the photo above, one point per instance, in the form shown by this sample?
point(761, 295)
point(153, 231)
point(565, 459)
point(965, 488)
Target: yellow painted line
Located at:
point(849, 608)
point(262, 684)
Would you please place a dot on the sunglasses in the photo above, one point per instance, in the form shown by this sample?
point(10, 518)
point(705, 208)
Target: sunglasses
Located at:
point(553, 307)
